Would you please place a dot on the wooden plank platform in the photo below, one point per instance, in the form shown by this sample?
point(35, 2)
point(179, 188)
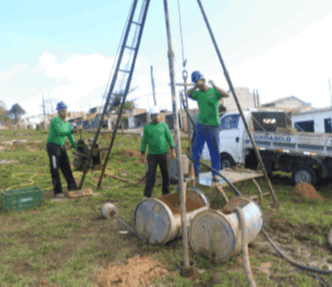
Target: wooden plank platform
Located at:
point(233, 176)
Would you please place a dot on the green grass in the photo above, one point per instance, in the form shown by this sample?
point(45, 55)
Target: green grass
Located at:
point(35, 238)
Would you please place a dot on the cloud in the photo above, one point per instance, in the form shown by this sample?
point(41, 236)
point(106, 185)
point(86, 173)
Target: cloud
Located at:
point(12, 72)
point(299, 66)
point(86, 77)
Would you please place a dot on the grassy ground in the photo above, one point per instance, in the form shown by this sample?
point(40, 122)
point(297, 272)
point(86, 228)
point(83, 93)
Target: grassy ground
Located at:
point(67, 244)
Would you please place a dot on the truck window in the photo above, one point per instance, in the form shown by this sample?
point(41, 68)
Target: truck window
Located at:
point(230, 122)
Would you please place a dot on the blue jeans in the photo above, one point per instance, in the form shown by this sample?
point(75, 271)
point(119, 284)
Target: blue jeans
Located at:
point(209, 134)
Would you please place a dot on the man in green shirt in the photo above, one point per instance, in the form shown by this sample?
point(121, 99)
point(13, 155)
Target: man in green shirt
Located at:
point(208, 123)
point(59, 130)
point(156, 134)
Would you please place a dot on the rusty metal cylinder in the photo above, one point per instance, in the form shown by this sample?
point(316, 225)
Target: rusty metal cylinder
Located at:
point(217, 234)
point(158, 220)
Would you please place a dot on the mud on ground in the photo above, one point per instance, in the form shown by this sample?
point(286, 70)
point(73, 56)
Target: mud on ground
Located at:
point(114, 247)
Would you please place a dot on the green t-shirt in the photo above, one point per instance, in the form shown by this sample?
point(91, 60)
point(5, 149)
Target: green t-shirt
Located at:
point(59, 130)
point(208, 103)
point(156, 136)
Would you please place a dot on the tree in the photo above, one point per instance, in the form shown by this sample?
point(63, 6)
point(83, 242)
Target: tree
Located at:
point(16, 111)
point(5, 116)
point(116, 101)
point(50, 104)
point(2, 109)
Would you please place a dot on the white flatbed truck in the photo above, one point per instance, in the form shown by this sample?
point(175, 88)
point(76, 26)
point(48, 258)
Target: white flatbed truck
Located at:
point(308, 156)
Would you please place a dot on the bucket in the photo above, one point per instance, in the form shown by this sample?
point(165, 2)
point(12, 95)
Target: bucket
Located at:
point(158, 220)
point(216, 234)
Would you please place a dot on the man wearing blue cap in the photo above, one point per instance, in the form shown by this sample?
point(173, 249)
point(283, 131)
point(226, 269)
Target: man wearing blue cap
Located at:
point(208, 123)
point(59, 130)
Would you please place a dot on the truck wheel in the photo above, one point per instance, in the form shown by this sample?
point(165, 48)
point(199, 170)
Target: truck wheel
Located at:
point(304, 173)
point(226, 161)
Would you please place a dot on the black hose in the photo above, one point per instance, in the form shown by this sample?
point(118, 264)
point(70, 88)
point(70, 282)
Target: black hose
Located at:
point(291, 260)
point(239, 193)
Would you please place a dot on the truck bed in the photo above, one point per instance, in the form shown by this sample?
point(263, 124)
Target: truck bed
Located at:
point(299, 143)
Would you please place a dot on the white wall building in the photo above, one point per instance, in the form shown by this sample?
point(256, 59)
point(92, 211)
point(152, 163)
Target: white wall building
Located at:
point(317, 121)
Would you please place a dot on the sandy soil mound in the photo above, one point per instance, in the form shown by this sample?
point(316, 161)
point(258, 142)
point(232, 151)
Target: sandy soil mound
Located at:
point(138, 270)
point(131, 153)
point(306, 190)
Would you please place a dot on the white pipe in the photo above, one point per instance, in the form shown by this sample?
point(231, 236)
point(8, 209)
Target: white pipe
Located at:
point(245, 250)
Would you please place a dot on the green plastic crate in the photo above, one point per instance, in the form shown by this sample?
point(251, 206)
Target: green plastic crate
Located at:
point(21, 199)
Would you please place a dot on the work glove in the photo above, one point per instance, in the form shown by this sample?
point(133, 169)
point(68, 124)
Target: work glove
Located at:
point(142, 158)
point(173, 154)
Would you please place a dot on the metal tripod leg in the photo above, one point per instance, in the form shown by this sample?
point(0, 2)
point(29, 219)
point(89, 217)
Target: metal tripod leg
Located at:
point(221, 191)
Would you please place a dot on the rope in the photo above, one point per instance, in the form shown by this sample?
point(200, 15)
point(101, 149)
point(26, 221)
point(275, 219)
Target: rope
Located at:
point(75, 173)
point(30, 179)
point(183, 61)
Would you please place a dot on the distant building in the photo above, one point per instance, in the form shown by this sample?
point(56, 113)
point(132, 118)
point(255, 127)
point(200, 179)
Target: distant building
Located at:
point(245, 98)
point(291, 102)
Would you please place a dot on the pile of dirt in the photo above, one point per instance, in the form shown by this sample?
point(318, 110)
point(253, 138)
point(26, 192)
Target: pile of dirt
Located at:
point(304, 189)
point(193, 202)
point(131, 153)
point(106, 136)
point(35, 145)
point(135, 272)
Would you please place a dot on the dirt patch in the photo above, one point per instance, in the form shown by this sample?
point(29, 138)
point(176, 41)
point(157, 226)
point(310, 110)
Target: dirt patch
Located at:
point(193, 202)
point(131, 153)
point(106, 136)
point(21, 267)
point(136, 271)
point(306, 190)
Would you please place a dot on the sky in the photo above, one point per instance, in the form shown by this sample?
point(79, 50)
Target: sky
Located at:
point(66, 50)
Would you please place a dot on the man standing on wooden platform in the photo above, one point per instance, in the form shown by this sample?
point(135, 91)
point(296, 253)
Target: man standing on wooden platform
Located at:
point(208, 123)
point(156, 134)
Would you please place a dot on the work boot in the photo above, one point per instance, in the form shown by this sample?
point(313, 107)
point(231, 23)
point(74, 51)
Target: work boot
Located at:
point(60, 195)
point(197, 178)
point(216, 178)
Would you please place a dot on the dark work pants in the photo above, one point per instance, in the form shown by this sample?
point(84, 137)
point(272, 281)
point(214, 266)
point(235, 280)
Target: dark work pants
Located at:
point(59, 158)
point(151, 167)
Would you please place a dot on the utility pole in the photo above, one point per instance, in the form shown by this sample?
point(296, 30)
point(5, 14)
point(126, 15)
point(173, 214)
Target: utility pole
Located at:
point(153, 90)
point(330, 92)
point(257, 96)
point(182, 190)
